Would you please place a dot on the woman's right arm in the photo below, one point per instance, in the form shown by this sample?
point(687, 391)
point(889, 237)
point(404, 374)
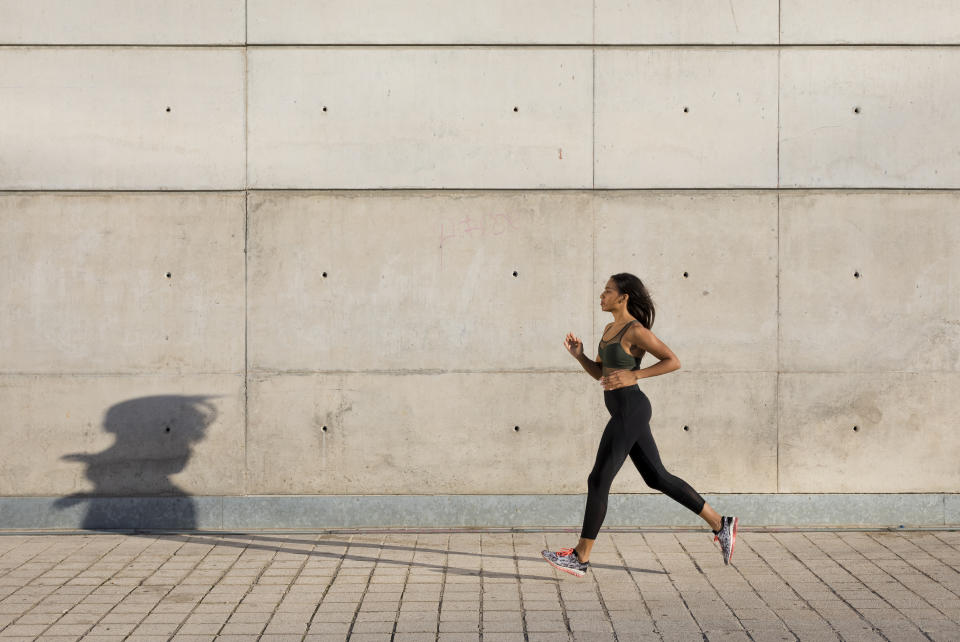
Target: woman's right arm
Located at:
point(575, 347)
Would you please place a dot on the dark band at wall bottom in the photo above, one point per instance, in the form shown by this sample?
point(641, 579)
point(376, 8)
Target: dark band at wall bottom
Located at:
point(267, 512)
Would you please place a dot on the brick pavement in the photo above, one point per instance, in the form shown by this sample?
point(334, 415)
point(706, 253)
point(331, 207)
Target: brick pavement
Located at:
point(491, 586)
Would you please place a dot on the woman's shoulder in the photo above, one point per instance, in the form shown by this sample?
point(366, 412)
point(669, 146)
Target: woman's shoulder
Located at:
point(635, 327)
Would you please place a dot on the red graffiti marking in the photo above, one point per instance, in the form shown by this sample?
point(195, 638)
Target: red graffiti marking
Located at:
point(490, 224)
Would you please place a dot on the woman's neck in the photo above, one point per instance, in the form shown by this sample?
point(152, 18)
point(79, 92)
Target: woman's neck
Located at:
point(621, 316)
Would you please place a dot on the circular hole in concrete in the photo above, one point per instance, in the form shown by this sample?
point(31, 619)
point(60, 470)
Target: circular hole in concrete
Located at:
point(169, 275)
point(686, 428)
point(856, 429)
point(856, 110)
point(856, 274)
point(324, 109)
point(686, 275)
point(168, 110)
point(515, 273)
point(324, 429)
point(324, 275)
point(516, 109)
point(166, 429)
point(686, 110)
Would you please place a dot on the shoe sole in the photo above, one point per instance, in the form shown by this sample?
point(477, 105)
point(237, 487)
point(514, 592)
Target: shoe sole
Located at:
point(733, 539)
point(561, 568)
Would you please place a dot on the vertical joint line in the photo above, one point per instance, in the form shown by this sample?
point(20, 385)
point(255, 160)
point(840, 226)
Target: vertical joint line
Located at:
point(776, 394)
point(593, 121)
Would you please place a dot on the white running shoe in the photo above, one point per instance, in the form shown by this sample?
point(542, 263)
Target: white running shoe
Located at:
point(566, 560)
point(727, 536)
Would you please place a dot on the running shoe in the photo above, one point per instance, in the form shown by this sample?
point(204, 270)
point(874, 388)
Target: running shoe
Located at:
point(566, 560)
point(727, 536)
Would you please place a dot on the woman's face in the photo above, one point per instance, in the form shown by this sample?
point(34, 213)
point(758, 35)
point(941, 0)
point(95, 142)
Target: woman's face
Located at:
point(609, 296)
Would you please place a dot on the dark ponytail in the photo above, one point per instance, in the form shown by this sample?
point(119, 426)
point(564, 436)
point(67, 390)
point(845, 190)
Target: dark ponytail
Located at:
point(639, 303)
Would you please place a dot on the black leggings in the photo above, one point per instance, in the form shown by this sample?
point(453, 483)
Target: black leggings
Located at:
point(628, 432)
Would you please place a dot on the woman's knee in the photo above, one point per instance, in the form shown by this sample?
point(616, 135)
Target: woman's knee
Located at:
point(657, 479)
point(599, 480)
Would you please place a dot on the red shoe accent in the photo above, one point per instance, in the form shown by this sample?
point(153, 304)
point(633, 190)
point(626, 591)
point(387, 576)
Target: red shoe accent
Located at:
point(564, 552)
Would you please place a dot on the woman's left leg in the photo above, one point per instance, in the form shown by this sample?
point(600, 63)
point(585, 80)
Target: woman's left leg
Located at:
point(646, 458)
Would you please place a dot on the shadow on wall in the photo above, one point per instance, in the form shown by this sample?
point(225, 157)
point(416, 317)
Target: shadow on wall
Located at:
point(131, 479)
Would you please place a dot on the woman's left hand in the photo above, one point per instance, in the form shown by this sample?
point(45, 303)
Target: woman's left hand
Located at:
point(618, 379)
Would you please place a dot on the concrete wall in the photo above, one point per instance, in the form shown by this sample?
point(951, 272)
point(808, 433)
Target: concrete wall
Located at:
point(331, 249)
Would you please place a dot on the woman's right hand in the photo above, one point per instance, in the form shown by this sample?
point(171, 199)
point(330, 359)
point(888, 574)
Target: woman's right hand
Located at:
point(573, 345)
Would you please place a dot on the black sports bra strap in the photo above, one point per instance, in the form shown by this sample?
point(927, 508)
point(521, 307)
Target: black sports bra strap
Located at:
point(618, 335)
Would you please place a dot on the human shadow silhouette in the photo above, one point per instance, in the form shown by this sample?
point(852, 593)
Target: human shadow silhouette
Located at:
point(154, 440)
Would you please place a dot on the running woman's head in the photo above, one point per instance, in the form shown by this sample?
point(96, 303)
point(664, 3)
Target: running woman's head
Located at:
point(627, 290)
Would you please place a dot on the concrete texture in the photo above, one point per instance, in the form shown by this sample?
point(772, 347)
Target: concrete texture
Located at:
point(868, 432)
point(383, 433)
point(419, 22)
point(130, 22)
point(79, 436)
point(402, 117)
point(448, 433)
point(685, 22)
point(132, 283)
point(420, 327)
point(183, 512)
point(685, 117)
point(886, 256)
point(717, 431)
point(902, 135)
point(569, 22)
point(97, 118)
point(438, 292)
point(709, 256)
point(468, 585)
point(325, 512)
point(869, 22)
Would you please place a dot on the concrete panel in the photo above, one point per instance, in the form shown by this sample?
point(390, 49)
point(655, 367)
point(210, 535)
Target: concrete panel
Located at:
point(402, 117)
point(552, 511)
point(952, 509)
point(327, 513)
point(721, 316)
point(730, 441)
point(868, 282)
point(133, 22)
point(869, 117)
point(121, 118)
point(835, 509)
point(422, 434)
point(869, 21)
point(388, 281)
point(868, 432)
point(86, 285)
point(686, 21)
point(114, 513)
point(420, 22)
point(121, 436)
point(425, 511)
point(700, 117)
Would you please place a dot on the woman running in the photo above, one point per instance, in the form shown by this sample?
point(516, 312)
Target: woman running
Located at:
point(623, 345)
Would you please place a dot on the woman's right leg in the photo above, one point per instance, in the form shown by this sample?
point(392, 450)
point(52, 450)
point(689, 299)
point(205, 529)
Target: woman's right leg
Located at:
point(611, 453)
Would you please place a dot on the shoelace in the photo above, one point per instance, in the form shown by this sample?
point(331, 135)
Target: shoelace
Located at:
point(563, 552)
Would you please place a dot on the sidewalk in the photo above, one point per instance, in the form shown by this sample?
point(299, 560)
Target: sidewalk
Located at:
point(650, 585)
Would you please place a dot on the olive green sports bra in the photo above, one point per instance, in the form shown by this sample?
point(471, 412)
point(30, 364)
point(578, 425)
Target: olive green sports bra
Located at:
point(612, 354)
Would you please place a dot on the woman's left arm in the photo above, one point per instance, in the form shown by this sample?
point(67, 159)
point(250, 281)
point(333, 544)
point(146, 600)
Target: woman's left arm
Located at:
point(641, 338)
point(644, 339)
